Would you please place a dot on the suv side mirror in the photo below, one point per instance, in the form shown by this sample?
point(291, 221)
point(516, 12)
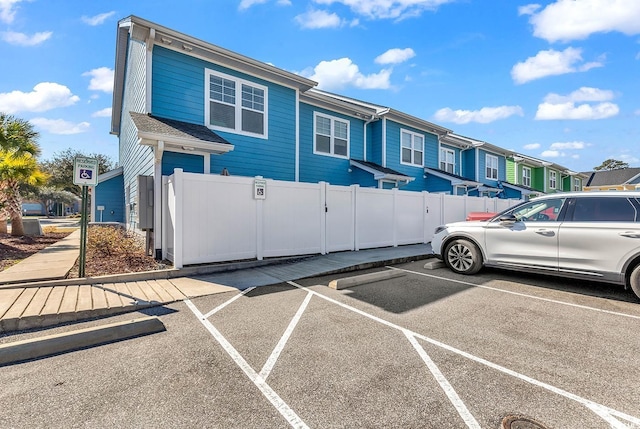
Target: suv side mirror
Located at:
point(508, 218)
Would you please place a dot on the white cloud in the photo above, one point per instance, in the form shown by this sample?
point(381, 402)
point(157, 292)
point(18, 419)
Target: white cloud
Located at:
point(341, 73)
point(395, 56)
point(483, 116)
point(528, 9)
point(97, 19)
point(532, 146)
point(566, 20)
point(551, 63)
point(104, 113)
point(60, 126)
point(246, 4)
point(585, 93)
point(45, 96)
point(314, 19)
point(101, 79)
point(7, 10)
point(22, 39)
point(551, 154)
point(628, 158)
point(556, 106)
point(388, 9)
point(569, 110)
point(567, 145)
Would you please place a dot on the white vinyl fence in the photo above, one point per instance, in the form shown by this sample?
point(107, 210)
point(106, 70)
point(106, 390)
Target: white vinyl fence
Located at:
point(210, 218)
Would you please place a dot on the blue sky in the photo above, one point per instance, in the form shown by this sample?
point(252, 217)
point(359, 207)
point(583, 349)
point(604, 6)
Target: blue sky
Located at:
point(557, 80)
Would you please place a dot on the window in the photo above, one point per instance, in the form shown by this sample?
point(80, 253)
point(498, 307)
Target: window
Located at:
point(539, 211)
point(331, 136)
point(576, 184)
point(411, 148)
point(447, 157)
point(235, 105)
point(603, 209)
point(552, 180)
point(492, 167)
point(526, 176)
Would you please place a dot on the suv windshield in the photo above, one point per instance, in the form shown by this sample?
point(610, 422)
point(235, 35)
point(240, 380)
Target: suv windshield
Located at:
point(538, 211)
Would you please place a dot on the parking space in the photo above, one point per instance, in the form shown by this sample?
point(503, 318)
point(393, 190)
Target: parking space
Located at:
point(429, 349)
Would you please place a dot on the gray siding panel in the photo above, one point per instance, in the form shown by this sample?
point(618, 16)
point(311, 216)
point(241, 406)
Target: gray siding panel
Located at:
point(135, 159)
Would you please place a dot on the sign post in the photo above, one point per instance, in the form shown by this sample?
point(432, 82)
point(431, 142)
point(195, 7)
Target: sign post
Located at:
point(85, 174)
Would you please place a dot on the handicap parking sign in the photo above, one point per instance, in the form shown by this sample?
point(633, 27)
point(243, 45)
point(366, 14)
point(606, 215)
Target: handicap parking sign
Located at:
point(85, 171)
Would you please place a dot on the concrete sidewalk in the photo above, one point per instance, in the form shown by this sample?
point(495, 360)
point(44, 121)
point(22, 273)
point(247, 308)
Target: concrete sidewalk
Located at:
point(34, 302)
point(51, 263)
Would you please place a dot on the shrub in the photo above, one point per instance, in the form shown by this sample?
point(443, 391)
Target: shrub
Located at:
point(112, 241)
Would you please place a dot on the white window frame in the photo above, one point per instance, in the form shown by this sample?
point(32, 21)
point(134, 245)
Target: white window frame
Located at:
point(553, 182)
point(526, 176)
point(576, 184)
point(489, 160)
point(447, 151)
point(238, 104)
point(412, 148)
point(333, 120)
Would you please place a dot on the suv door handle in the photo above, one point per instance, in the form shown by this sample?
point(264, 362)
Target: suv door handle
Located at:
point(630, 234)
point(546, 232)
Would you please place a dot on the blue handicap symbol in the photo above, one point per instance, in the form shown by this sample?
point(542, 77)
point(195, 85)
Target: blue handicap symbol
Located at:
point(86, 174)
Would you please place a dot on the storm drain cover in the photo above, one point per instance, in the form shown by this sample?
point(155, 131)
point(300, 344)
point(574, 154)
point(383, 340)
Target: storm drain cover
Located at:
point(520, 422)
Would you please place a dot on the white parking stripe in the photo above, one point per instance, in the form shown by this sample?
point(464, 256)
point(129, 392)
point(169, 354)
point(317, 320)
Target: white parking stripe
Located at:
point(604, 412)
point(568, 304)
point(444, 383)
point(224, 304)
point(266, 390)
point(268, 366)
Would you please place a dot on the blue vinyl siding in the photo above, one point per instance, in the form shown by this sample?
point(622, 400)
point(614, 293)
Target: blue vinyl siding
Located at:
point(456, 158)
point(374, 150)
point(437, 184)
point(511, 193)
point(482, 165)
point(190, 163)
point(110, 194)
point(178, 93)
point(393, 154)
point(315, 168)
point(469, 164)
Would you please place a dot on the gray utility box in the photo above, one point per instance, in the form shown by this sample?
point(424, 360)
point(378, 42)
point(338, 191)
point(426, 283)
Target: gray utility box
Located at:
point(145, 202)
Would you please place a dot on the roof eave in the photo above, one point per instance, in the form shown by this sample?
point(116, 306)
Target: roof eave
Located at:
point(152, 139)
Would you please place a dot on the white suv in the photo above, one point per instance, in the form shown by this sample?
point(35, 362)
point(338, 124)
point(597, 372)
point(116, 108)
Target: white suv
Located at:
point(584, 235)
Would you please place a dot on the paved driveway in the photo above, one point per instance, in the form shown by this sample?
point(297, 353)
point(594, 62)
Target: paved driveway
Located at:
point(429, 349)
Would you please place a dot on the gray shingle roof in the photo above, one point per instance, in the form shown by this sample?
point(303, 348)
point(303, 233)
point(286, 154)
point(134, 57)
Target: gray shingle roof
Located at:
point(169, 127)
point(614, 177)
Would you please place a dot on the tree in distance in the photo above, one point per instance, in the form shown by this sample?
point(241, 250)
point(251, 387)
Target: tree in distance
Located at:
point(611, 164)
point(60, 169)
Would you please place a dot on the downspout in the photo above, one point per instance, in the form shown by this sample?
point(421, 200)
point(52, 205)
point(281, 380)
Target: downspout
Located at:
point(297, 149)
point(157, 199)
point(384, 142)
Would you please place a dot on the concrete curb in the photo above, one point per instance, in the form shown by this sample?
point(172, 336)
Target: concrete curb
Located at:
point(61, 343)
point(364, 278)
point(154, 275)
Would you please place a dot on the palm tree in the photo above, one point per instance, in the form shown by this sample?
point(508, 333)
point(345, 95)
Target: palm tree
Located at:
point(18, 152)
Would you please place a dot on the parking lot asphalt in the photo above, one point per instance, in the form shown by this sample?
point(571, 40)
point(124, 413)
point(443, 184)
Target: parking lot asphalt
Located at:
point(429, 349)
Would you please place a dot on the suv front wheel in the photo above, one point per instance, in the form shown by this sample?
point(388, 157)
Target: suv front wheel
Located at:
point(463, 257)
point(634, 280)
